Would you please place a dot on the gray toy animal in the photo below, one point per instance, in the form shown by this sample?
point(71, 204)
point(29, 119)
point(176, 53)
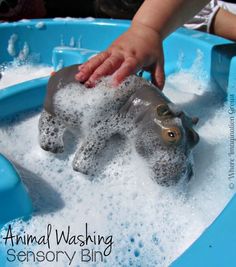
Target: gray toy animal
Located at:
point(162, 134)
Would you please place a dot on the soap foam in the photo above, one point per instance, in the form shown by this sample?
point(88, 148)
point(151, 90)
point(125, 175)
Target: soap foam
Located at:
point(151, 225)
point(14, 74)
point(69, 19)
point(105, 101)
point(11, 45)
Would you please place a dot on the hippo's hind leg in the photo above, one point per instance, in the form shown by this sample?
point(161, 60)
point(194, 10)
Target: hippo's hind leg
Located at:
point(51, 130)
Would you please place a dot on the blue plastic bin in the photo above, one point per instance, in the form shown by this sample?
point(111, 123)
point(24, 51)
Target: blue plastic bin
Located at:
point(63, 42)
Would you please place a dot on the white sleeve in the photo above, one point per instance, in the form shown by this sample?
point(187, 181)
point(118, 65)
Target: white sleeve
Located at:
point(203, 20)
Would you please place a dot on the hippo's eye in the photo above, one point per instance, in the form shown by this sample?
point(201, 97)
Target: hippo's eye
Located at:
point(171, 135)
point(163, 111)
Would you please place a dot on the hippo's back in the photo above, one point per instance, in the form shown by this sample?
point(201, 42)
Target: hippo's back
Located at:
point(57, 81)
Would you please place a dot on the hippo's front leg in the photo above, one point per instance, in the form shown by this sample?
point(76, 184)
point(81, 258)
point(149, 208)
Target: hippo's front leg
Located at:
point(87, 154)
point(51, 130)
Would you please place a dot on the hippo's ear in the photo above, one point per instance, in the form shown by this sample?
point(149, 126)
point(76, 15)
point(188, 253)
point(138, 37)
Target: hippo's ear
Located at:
point(163, 111)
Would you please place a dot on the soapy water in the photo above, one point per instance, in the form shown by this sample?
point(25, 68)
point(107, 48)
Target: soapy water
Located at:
point(16, 73)
point(150, 225)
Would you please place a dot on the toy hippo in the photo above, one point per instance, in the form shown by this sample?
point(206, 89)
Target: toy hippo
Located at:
point(137, 110)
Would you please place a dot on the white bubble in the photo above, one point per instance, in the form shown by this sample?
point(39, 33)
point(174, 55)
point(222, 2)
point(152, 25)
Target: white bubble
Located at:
point(40, 25)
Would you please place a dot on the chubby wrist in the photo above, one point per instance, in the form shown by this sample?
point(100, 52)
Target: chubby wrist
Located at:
point(144, 30)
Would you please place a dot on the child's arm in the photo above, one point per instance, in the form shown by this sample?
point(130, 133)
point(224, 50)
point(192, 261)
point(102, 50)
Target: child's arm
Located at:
point(141, 46)
point(224, 24)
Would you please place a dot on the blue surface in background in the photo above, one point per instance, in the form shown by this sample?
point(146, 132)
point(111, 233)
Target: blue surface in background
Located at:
point(217, 245)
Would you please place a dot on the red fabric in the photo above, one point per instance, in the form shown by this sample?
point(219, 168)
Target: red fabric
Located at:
point(25, 9)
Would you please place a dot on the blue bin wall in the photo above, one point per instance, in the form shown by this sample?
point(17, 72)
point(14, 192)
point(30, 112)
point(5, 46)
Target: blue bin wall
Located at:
point(88, 34)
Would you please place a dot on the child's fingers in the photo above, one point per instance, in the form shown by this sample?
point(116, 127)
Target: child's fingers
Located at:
point(86, 70)
point(108, 67)
point(130, 66)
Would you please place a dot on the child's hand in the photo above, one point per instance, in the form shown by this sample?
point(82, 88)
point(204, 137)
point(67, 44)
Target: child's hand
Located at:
point(138, 48)
point(141, 46)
